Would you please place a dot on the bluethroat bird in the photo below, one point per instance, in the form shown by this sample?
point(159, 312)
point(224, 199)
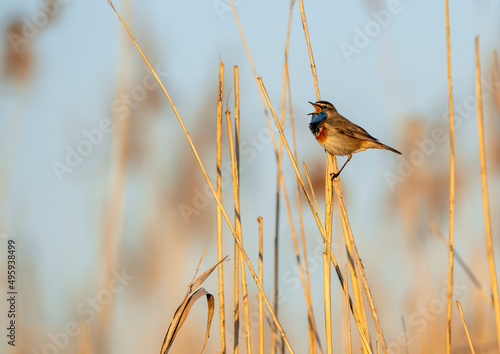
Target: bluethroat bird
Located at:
point(338, 135)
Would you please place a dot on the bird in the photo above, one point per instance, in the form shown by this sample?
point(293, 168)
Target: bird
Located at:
point(338, 135)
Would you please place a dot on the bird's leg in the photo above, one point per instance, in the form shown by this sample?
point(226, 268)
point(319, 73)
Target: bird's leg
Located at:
point(335, 175)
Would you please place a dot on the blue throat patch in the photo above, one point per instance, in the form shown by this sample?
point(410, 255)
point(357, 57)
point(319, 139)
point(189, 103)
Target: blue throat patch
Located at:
point(318, 117)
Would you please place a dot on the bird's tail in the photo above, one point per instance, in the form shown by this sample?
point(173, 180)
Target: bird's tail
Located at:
point(385, 147)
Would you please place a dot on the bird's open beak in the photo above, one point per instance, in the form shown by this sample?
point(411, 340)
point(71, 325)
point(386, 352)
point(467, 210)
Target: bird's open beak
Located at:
point(316, 108)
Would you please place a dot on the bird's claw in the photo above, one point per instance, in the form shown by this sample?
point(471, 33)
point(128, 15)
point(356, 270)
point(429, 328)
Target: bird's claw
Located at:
point(334, 175)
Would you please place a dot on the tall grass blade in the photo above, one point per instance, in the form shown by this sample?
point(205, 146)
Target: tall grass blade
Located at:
point(326, 255)
point(486, 203)
point(222, 315)
point(452, 184)
point(465, 327)
point(261, 280)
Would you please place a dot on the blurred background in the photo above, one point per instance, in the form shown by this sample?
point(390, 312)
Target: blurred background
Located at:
point(111, 214)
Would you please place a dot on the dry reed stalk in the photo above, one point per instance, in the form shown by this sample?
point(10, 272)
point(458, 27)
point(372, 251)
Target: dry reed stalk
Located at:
point(236, 273)
point(222, 315)
point(348, 313)
point(355, 277)
point(246, 311)
point(359, 265)
point(452, 185)
point(261, 280)
point(236, 314)
point(356, 283)
point(245, 306)
point(465, 327)
point(361, 323)
point(360, 318)
point(237, 221)
point(236, 179)
point(314, 212)
point(233, 149)
point(237, 119)
point(273, 336)
point(309, 49)
point(209, 183)
point(310, 316)
point(486, 204)
point(276, 244)
point(326, 259)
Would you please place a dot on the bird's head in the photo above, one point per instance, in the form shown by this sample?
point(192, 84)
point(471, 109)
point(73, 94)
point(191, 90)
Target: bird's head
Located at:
point(322, 109)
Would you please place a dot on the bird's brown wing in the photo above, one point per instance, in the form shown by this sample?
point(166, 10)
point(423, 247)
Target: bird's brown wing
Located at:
point(346, 127)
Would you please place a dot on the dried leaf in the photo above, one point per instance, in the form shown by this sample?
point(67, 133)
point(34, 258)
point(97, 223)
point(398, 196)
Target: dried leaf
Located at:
point(204, 276)
point(181, 316)
point(211, 308)
point(183, 310)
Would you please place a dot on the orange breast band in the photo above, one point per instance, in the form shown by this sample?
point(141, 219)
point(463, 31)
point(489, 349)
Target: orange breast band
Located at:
point(321, 137)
